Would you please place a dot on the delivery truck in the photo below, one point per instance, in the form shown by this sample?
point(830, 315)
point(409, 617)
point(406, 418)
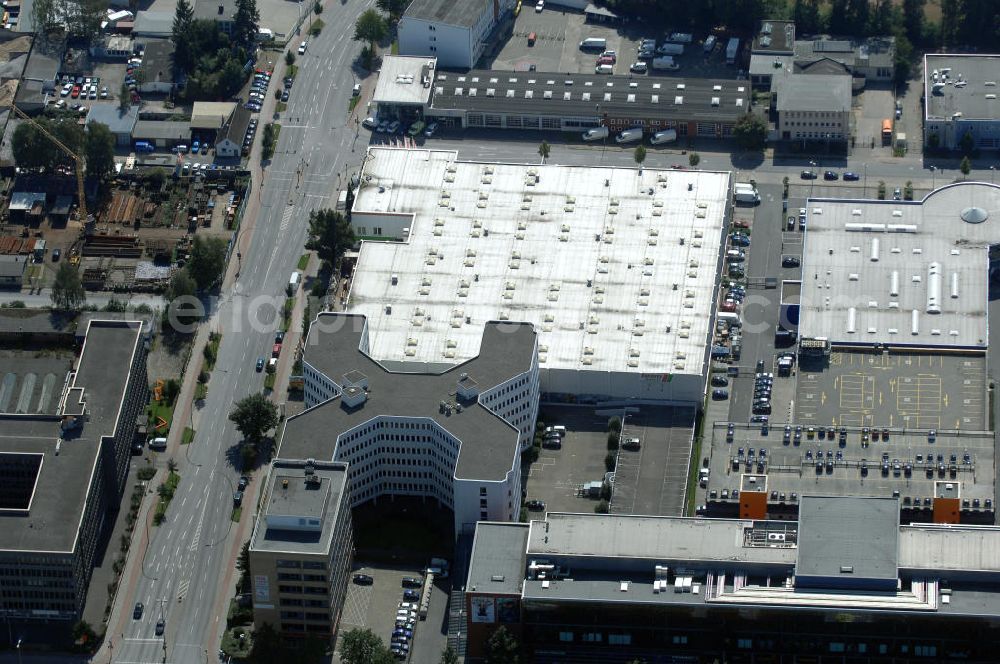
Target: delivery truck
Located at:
point(732, 50)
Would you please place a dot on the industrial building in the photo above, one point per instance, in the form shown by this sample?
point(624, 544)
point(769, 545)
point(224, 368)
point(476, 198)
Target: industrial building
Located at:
point(960, 93)
point(615, 267)
point(456, 33)
point(900, 273)
point(301, 548)
point(447, 429)
point(412, 88)
point(66, 434)
point(844, 583)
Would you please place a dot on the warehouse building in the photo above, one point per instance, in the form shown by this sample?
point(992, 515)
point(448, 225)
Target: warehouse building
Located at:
point(960, 93)
point(616, 268)
point(445, 429)
point(845, 582)
point(301, 548)
point(900, 273)
point(456, 33)
point(411, 89)
point(65, 444)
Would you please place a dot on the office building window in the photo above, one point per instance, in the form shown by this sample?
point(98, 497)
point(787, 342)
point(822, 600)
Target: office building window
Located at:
point(566, 637)
point(620, 639)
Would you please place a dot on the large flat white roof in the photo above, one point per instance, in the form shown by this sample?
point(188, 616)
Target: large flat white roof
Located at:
point(616, 269)
point(401, 80)
point(868, 265)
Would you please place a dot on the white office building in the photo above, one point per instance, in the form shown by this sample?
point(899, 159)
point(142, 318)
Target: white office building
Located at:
point(456, 33)
point(453, 432)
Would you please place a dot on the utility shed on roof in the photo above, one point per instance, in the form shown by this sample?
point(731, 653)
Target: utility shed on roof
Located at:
point(848, 542)
point(916, 272)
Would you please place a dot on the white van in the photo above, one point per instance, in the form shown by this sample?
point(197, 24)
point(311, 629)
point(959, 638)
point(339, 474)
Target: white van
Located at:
point(594, 44)
point(665, 136)
point(629, 135)
point(604, 69)
point(158, 444)
point(342, 200)
point(293, 283)
point(595, 134)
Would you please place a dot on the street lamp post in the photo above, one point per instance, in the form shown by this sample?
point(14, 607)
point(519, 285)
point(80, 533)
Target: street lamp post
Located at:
point(992, 171)
point(933, 178)
point(812, 182)
point(866, 182)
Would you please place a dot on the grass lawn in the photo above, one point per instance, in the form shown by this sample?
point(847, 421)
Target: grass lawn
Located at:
point(166, 495)
point(303, 261)
point(237, 511)
point(231, 644)
point(292, 71)
point(354, 102)
point(187, 436)
point(316, 27)
point(200, 391)
point(269, 381)
point(159, 410)
point(395, 48)
point(214, 340)
point(280, 107)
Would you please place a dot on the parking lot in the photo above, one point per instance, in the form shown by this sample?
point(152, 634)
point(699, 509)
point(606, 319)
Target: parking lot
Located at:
point(909, 465)
point(653, 478)
point(559, 32)
point(895, 390)
point(374, 607)
point(558, 476)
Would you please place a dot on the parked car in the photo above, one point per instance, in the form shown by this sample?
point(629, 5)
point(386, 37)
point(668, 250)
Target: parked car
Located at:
point(830, 175)
point(369, 123)
point(302, 48)
point(242, 484)
point(790, 261)
point(160, 626)
point(638, 68)
point(539, 6)
point(719, 381)
point(412, 582)
point(808, 175)
point(411, 595)
point(851, 177)
point(535, 505)
point(393, 127)
point(897, 194)
point(720, 395)
point(260, 364)
point(431, 128)
point(364, 579)
point(56, 253)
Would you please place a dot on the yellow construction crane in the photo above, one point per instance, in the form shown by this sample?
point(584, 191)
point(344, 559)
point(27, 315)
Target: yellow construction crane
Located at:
point(77, 159)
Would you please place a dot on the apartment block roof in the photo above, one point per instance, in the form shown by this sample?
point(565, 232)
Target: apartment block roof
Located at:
point(970, 86)
point(463, 14)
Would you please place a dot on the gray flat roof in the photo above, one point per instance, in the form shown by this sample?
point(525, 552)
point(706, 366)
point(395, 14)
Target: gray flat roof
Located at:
point(847, 295)
point(463, 13)
point(151, 23)
point(290, 498)
point(592, 95)
point(498, 558)
point(334, 347)
point(980, 73)
point(68, 465)
point(161, 129)
point(209, 9)
point(110, 115)
point(814, 92)
point(775, 37)
point(158, 61)
point(847, 540)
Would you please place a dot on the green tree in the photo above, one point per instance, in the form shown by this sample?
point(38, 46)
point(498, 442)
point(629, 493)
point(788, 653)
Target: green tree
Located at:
point(99, 147)
point(245, 24)
point(243, 567)
point(363, 646)
point(318, 8)
point(83, 632)
point(502, 648)
point(750, 132)
point(124, 98)
point(394, 8)
point(544, 150)
point(807, 17)
point(951, 20)
point(207, 260)
point(639, 155)
point(370, 28)
point(966, 143)
point(289, 58)
point(180, 299)
point(965, 166)
point(913, 20)
point(43, 16)
point(155, 177)
point(903, 57)
point(33, 149)
point(254, 415)
point(330, 235)
point(267, 647)
point(180, 35)
point(449, 656)
point(67, 290)
point(694, 159)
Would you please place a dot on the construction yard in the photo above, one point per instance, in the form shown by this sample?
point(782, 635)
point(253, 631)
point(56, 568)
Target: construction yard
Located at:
point(141, 228)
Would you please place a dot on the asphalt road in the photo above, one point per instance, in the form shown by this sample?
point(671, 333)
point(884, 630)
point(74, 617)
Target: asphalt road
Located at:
point(186, 564)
